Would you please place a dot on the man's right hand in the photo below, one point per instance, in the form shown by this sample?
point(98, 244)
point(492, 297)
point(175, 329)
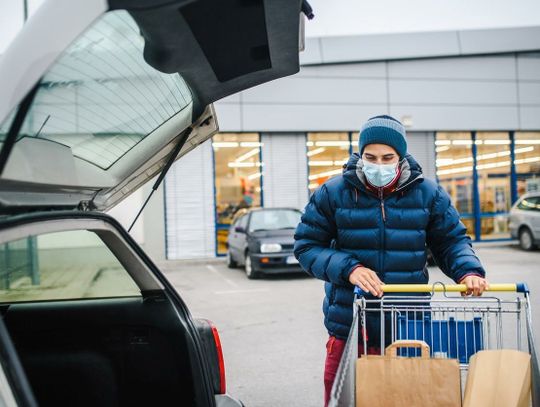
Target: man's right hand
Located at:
point(367, 280)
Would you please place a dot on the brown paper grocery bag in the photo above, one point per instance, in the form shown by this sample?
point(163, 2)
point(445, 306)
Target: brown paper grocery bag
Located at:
point(498, 378)
point(393, 381)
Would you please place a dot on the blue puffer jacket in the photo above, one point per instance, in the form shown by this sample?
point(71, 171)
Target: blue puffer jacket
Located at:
point(345, 225)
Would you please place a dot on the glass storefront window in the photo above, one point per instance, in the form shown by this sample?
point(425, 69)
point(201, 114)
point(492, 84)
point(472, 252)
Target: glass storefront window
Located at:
point(238, 173)
point(454, 170)
point(493, 166)
point(355, 138)
point(327, 152)
point(527, 161)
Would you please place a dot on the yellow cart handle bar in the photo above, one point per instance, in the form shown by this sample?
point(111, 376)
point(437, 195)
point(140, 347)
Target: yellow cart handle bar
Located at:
point(448, 288)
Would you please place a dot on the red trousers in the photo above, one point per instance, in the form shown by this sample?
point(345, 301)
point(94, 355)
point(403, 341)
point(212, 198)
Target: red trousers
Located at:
point(334, 350)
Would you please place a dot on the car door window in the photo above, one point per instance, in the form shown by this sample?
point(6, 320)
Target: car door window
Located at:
point(59, 266)
point(536, 204)
point(530, 204)
point(242, 222)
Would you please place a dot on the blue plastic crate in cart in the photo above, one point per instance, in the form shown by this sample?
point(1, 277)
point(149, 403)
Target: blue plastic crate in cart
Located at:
point(456, 339)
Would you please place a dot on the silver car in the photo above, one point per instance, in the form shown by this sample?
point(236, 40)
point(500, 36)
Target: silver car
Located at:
point(525, 221)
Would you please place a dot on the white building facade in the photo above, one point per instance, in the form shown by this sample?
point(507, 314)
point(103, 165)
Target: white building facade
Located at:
point(470, 101)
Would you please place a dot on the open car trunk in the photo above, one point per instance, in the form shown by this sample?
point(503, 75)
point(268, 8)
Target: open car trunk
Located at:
point(91, 318)
point(103, 352)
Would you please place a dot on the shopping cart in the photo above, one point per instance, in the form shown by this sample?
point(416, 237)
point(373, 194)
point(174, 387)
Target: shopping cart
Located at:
point(453, 326)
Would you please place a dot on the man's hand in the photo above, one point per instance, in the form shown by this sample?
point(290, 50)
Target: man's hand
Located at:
point(367, 280)
point(476, 285)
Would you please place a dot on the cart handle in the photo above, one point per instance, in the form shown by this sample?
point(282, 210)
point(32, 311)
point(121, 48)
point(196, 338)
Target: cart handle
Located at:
point(440, 287)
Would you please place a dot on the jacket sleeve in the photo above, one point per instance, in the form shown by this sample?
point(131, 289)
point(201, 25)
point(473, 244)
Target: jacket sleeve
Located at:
point(313, 242)
point(448, 241)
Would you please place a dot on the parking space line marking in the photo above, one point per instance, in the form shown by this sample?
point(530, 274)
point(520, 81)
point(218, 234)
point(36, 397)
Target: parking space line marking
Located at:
point(254, 290)
point(216, 271)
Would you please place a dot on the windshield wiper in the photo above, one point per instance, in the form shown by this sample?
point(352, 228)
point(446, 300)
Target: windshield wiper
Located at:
point(16, 126)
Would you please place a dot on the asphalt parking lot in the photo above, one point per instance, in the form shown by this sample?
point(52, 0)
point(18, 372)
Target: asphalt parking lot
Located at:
point(272, 330)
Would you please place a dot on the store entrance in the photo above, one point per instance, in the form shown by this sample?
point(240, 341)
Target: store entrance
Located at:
point(495, 203)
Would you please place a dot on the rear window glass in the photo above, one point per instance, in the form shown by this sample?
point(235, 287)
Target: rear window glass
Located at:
point(59, 266)
point(100, 97)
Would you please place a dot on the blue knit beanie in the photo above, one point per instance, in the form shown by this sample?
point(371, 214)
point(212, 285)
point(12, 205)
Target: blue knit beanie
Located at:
point(384, 130)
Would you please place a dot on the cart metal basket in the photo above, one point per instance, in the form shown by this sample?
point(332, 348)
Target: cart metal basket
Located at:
point(453, 326)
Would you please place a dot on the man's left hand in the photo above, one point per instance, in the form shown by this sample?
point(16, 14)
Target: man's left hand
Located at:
point(476, 285)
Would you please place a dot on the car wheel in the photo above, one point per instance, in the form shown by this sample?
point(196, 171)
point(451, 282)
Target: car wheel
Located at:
point(250, 273)
point(526, 241)
point(230, 261)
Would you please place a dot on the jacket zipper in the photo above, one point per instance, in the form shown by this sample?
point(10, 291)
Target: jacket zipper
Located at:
point(382, 205)
point(381, 252)
point(383, 215)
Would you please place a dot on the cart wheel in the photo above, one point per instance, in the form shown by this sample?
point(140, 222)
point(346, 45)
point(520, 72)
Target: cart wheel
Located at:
point(230, 262)
point(526, 241)
point(250, 273)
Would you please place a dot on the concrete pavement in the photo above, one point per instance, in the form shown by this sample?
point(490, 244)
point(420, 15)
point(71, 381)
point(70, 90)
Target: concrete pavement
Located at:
point(272, 330)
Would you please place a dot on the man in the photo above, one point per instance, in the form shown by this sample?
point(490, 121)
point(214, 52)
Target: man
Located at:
point(371, 226)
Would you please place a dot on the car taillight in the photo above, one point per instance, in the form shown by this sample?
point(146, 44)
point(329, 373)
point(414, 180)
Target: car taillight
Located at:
point(213, 353)
point(221, 361)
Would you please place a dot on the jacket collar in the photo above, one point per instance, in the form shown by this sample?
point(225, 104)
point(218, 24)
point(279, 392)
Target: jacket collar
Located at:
point(353, 173)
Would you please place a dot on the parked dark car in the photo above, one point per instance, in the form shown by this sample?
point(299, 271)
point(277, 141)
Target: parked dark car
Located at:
point(96, 99)
point(524, 221)
point(262, 240)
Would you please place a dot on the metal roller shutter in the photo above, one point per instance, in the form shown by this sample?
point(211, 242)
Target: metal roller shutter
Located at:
point(189, 205)
point(421, 145)
point(285, 170)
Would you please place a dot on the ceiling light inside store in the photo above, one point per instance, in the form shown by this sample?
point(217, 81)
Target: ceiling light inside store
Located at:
point(250, 153)
point(313, 185)
point(225, 144)
point(493, 165)
point(454, 170)
point(235, 164)
point(487, 166)
point(527, 141)
point(441, 149)
point(333, 143)
point(312, 163)
point(251, 144)
point(449, 161)
point(316, 151)
point(254, 176)
point(494, 142)
point(527, 160)
point(325, 174)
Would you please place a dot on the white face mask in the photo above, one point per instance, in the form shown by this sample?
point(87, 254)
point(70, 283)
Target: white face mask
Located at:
point(380, 175)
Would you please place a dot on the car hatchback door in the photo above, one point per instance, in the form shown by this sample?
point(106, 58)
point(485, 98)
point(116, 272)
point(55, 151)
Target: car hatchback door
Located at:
point(97, 97)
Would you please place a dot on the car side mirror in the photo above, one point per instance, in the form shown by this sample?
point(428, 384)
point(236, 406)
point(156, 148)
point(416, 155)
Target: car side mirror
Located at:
point(239, 229)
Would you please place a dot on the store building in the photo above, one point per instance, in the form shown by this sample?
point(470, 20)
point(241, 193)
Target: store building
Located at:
point(470, 101)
